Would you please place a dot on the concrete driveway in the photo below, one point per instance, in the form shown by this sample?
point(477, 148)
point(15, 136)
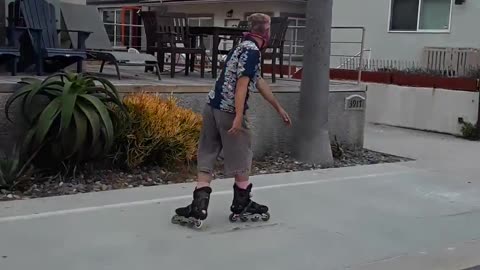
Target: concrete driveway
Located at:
point(411, 215)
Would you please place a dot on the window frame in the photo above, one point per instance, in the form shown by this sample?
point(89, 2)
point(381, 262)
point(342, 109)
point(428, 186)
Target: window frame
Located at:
point(295, 45)
point(116, 23)
point(201, 16)
point(419, 31)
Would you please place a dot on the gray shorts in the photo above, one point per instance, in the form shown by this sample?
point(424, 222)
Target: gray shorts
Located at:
point(214, 138)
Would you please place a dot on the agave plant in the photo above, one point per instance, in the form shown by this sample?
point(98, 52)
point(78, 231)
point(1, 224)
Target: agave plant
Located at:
point(13, 169)
point(76, 122)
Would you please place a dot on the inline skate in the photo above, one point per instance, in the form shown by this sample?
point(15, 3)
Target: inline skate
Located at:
point(194, 214)
point(243, 208)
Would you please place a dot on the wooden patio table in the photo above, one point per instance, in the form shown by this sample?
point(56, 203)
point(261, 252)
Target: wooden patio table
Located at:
point(216, 32)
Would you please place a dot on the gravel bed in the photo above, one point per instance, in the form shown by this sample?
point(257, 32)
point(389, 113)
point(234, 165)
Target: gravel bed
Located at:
point(103, 180)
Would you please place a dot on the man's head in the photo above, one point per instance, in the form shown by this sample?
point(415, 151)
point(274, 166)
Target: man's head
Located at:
point(260, 26)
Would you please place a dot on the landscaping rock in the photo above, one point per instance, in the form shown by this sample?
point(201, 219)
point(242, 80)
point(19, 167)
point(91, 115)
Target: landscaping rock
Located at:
point(108, 179)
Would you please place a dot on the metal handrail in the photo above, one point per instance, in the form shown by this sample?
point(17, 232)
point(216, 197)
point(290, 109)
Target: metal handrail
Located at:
point(292, 44)
point(355, 56)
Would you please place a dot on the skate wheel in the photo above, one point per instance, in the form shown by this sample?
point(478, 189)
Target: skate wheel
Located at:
point(175, 220)
point(178, 220)
point(255, 218)
point(232, 218)
point(244, 219)
point(198, 224)
point(266, 217)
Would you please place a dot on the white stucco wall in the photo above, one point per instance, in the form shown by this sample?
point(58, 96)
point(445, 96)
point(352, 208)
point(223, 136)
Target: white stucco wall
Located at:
point(374, 15)
point(420, 108)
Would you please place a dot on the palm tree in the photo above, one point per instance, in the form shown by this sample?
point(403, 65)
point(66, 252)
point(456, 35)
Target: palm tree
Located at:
point(313, 142)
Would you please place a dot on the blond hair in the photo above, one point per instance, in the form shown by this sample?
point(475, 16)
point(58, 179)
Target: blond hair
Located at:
point(257, 22)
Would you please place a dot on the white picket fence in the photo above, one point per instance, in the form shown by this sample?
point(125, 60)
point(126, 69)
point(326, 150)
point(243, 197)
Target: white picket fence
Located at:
point(379, 64)
point(451, 61)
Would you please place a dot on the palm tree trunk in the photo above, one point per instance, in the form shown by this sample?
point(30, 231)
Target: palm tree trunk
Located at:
point(313, 142)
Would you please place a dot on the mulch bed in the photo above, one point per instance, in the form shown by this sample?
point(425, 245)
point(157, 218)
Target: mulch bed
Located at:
point(102, 180)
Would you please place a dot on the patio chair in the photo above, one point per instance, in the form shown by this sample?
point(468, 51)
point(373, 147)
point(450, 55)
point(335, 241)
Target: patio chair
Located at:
point(150, 25)
point(278, 29)
point(235, 40)
point(38, 16)
point(172, 36)
point(98, 44)
point(10, 52)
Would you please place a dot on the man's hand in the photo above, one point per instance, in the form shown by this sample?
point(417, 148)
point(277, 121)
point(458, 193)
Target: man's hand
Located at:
point(237, 125)
point(285, 117)
point(267, 94)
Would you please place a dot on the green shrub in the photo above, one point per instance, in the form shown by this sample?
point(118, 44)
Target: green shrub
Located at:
point(470, 131)
point(75, 125)
point(157, 131)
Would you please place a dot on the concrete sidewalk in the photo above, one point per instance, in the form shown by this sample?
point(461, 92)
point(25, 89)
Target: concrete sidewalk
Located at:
point(415, 215)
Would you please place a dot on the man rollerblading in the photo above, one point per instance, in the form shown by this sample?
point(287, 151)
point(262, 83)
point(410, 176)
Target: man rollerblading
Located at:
point(225, 128)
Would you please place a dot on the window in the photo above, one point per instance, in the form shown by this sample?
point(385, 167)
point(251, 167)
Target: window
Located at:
point(123, 26)
point(295, 36)
point(420, 15)
point(202, 20)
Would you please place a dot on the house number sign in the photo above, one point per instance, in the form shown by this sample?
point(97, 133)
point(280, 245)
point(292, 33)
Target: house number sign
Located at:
point(355, 103)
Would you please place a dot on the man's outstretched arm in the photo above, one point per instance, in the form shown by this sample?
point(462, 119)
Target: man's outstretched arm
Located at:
point(267, 94)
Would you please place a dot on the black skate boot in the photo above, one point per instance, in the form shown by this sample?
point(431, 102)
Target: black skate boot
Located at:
point(195, 213)
point(243, 208)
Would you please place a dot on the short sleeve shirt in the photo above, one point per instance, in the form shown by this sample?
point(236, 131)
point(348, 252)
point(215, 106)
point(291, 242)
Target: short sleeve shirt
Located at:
point(244, 60)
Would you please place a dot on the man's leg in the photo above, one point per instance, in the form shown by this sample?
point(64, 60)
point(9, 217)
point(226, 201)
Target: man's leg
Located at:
point(242, 181)
point(208, 150)
point(209, 147)
point(204, 179)
point(238, 154)
point(237, 149)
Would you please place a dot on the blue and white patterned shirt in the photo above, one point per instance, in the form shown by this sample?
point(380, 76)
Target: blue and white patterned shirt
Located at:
point(244, 60)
